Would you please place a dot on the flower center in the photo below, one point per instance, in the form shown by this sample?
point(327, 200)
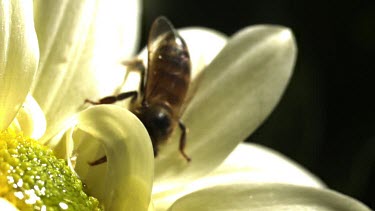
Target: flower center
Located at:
point(32, 178)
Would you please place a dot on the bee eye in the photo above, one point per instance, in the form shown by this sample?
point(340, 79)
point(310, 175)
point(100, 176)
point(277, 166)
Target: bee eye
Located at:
point(162, 120)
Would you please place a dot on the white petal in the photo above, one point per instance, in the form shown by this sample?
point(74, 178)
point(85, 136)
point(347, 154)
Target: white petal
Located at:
point(82, 44)
point(257, 163)
point(247, 163)
point(129, 174)
point(267, 197)
point(19, 56)
point(238, 91)
point(6, 205)
point(31, 119)
point(203, 44)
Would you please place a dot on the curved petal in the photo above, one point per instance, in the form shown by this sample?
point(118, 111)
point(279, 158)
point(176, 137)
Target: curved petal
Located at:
point(248, 163)
point(129, 175)
point(19, 55)
point(267, 197)
point(82, 44)
point(238, 91)
point(30, 119)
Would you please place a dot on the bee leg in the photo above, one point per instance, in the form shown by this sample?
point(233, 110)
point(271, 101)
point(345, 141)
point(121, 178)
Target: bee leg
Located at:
point(156, 150)
point(134, 64)
point(183, 141)
point(137, 65)
point(98, 161)
point(114, 98)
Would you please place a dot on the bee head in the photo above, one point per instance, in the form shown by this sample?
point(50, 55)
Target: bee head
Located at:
point(158, 121)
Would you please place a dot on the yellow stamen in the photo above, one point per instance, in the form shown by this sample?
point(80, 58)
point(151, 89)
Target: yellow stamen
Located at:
point(32, 178)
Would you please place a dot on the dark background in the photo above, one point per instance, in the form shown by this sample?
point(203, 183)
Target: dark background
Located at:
point(326, 119)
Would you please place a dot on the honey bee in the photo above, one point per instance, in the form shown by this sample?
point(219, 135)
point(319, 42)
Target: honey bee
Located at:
point(163, 88)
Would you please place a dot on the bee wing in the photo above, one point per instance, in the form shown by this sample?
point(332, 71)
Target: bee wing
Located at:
point(159, 28)
point(168, 72)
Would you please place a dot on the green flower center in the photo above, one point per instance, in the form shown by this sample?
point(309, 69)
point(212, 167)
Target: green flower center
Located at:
point(32, 178)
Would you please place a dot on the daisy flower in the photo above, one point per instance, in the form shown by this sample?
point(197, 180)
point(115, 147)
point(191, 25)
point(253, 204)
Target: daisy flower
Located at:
point(56, 54)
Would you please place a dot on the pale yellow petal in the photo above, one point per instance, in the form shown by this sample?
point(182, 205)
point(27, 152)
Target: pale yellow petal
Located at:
point(19, 55)
point(247, 163)
point(82, 46)
point(238, 91)
point(267, 197)
point(30, 119)
point(256, 163)
point(128, 174)
point(203, 44)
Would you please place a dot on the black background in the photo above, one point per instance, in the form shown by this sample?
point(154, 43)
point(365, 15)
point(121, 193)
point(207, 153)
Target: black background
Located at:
point(326, 119)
